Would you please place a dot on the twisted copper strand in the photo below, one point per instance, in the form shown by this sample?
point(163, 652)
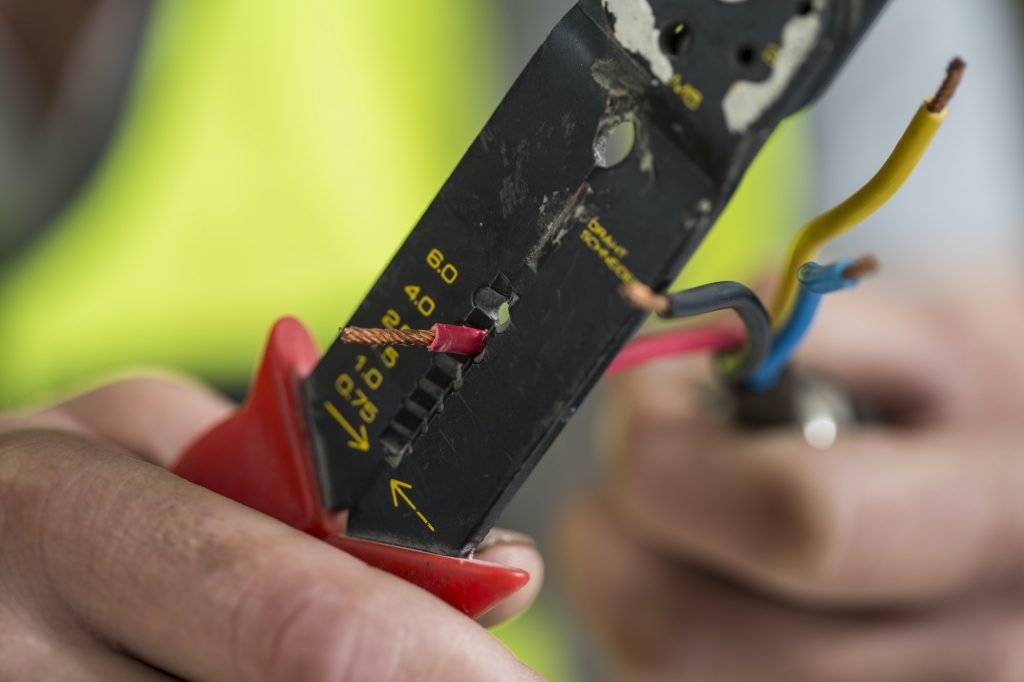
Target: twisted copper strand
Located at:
point(386, 337)
point(861, 268)
point(642, 297)
point(954, 74)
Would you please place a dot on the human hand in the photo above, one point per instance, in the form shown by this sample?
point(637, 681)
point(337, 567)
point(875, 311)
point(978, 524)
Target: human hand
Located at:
point(717, 554)
point(112, 568)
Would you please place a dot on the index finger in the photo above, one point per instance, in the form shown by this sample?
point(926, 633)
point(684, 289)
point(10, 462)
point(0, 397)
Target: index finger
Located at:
point(152, 417)
point(913, 362)
point(882, 518)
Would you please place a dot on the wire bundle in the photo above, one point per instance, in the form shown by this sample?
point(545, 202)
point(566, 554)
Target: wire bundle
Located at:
point(815, 282)
point(762, 358)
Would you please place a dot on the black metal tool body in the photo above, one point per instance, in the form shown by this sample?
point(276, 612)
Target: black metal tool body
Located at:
point(425, 450)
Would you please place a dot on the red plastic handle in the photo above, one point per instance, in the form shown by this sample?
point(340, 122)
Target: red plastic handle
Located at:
point(260, 456)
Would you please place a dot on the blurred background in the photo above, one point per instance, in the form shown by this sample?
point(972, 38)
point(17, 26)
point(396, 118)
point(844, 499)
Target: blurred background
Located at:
point(176, 175)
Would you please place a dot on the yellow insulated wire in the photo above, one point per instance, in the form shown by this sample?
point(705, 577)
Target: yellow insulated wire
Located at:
point(857, 208)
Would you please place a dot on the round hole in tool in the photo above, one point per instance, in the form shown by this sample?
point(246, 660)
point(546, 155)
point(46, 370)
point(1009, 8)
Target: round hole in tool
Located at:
point(675, 38)
point(504, 320)
point(614, 145)
point(805, 7)
point(745, 55)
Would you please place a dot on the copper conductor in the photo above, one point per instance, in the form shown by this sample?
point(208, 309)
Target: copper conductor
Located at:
point(386, 337)
point(642, 297)
point(864, 266)
point(954, 74)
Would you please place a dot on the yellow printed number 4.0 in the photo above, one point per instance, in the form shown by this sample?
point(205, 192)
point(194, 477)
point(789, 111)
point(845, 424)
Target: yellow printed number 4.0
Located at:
point(398, 489)
point(360, 440)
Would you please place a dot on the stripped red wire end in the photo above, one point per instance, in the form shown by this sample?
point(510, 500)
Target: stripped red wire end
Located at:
point(441, 338)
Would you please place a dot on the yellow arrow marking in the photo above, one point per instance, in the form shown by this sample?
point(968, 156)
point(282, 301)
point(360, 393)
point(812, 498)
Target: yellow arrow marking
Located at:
point(398, 489)
point(360, 440)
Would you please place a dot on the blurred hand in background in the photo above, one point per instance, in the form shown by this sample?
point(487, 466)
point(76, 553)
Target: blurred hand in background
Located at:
point(712, 553)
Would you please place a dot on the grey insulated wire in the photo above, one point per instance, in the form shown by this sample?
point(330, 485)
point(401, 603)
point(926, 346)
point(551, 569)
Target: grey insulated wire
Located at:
point(710, 298)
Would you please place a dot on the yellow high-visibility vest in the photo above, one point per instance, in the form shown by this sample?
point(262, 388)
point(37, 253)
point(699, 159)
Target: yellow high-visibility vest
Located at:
point(273, 157)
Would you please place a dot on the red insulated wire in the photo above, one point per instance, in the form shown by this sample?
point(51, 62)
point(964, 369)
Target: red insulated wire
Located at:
point(443, 338)
point(646, 349)
point(450, 338)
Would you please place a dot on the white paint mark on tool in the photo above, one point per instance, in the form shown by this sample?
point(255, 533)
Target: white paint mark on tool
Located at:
point(636, 30)
point(747, 101)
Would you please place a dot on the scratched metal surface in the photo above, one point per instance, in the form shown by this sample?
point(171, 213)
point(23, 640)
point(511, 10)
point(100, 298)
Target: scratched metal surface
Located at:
point(426, 451)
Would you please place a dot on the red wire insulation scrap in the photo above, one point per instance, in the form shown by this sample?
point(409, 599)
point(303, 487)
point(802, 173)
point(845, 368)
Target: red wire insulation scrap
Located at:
point(449, 338)
point(668, 344)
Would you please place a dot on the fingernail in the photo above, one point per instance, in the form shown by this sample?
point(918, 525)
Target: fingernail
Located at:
point(505, 537)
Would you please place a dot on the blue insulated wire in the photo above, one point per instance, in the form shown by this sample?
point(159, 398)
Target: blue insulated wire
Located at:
point(815, 281)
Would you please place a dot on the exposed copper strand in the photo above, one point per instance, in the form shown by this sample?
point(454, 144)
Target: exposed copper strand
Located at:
point(954, 74)
point(386, 337)
point(642, 297)
point(863, 267)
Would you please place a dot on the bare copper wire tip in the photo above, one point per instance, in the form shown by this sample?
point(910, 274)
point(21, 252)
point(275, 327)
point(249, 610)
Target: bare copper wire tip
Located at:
point(642, 297)
point(386, 337)
point(954, 74)
point(861, 268)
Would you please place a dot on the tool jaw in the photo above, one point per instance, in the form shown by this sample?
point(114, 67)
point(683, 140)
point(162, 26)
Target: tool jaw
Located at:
point(718, 70)
point(542, 221)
